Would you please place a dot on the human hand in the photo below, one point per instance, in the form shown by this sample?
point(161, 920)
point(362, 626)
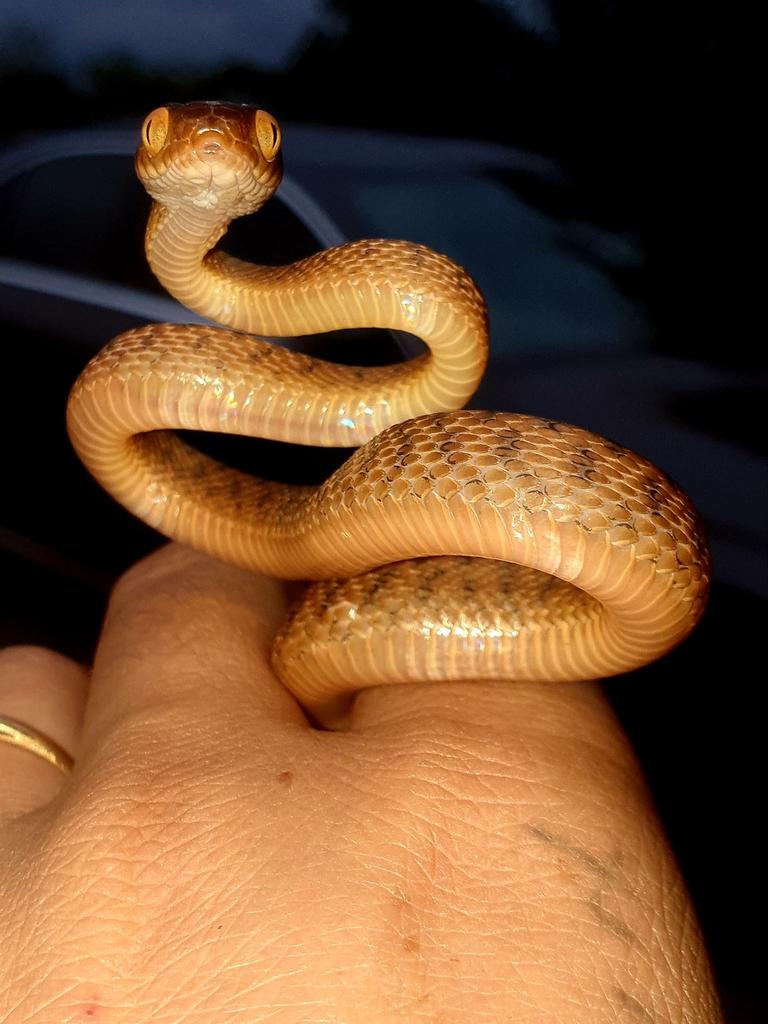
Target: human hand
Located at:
point(464, 853)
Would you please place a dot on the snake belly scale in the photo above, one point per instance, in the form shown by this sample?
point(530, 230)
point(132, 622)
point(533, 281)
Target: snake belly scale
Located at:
point(453, 544)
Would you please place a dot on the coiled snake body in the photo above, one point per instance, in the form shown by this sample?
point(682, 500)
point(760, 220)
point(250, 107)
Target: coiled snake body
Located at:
point(571, 557)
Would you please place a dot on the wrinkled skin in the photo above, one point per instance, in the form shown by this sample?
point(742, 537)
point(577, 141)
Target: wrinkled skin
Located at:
point(465, 852)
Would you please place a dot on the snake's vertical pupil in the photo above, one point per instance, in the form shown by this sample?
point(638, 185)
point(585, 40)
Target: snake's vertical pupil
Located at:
point(155, 130)
point(267, 132)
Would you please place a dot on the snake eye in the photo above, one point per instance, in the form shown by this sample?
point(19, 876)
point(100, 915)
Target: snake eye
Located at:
point(154, 131)
point(266, 131)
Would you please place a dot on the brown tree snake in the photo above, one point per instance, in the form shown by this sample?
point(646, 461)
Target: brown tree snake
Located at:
point(452, 545)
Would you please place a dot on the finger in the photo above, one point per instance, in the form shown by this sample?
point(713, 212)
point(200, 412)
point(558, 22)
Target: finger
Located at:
point(189, 635)
point(45, 692)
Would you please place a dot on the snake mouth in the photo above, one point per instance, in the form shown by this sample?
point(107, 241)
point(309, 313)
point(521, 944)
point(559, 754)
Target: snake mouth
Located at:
point(209, 148)
point(207, 172)
point(209, 144)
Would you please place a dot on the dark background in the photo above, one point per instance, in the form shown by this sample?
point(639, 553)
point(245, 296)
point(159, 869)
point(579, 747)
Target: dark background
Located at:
point(633, 104)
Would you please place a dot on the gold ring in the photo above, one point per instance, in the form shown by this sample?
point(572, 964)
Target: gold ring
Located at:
point(20, 735)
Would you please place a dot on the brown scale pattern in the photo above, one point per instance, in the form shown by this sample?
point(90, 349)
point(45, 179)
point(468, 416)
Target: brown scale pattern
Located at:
point(211, 354)
point(485, 595)
point(539, 471)
point(541, 466)
point(404, 267)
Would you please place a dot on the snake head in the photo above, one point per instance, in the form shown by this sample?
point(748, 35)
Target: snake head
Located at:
point(210, 156)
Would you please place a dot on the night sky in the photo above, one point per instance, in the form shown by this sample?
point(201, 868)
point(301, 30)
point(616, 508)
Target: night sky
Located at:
point(193, 33)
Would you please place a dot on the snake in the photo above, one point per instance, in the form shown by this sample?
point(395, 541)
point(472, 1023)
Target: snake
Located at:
point(453, 544)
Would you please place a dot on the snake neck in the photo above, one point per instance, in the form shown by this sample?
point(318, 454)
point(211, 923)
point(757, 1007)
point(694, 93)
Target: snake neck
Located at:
point(376, 283)
point(176, 245)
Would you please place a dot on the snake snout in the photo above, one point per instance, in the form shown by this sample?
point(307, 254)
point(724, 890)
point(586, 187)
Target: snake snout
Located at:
point(208, 144)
